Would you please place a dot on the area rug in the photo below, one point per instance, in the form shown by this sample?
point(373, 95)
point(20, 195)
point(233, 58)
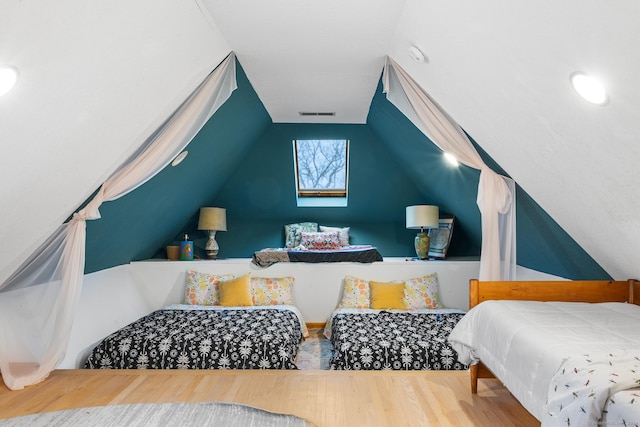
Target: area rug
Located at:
point(314, 352)
point(160, 414)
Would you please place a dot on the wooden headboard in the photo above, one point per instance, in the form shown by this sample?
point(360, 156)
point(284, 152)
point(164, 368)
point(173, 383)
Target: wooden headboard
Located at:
point(556, 290)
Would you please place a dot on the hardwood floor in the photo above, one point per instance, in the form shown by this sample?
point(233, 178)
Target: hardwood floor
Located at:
point(325, 398)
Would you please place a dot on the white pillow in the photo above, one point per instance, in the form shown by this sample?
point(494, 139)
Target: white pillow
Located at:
point(343, 233)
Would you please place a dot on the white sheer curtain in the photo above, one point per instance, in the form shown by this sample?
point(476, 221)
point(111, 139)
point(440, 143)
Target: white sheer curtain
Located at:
point(38, 302)
point(496, 194)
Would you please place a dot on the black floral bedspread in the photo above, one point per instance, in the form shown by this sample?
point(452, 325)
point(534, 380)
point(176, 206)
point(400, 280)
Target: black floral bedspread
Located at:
point(394, 341)
point(202, 339)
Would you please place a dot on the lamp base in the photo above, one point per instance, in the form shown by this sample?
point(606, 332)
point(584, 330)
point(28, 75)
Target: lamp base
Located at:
point(212, 248)
point(421, 244)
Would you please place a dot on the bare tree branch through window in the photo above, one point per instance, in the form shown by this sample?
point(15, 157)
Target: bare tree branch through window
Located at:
point(321, 167)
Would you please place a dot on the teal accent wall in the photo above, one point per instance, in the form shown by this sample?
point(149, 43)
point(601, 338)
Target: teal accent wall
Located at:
point(453, 190)
point(243, 162)
point(260, 196)
point(135, 226)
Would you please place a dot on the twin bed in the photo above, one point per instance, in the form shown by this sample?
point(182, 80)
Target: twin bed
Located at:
point(569, 351)
point(224, 322)
point(399, 340)
point(204, 337)
point(373, 329)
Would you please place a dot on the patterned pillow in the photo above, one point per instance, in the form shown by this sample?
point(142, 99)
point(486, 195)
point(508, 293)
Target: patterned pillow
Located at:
point(355, 293)
point(292, 232)
point(272, 291)
point(320, 240)
point(202, 288)
point(422, 292)
point(343, 233)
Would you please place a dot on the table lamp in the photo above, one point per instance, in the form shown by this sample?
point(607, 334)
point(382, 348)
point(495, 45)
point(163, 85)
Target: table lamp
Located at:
point(421, 217)
point(212, 220)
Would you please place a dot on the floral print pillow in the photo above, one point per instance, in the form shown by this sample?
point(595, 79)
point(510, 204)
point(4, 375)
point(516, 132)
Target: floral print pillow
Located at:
point(203, 288)
point(320, 240)
point(272, 291)
point(355, 294)
point(422, 292)
point(292, 232)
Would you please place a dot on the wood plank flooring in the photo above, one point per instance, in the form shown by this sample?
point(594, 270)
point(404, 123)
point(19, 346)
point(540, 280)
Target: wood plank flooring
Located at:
point(325, 398)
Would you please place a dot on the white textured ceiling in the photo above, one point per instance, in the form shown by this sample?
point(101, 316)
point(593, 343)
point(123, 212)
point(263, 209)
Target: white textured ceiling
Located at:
point(310, 56)
point(97, 77)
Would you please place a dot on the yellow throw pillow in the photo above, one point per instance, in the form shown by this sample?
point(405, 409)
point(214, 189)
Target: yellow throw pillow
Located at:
point(387, 295)
point(236, 292)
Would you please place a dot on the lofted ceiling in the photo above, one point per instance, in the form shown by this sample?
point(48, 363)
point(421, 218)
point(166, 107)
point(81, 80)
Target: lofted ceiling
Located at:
point(310, 56)
point(97, 78)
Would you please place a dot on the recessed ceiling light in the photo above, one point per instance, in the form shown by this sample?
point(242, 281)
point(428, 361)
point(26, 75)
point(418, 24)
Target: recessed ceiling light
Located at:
point(451, 159)
point(416, 54)
point(8, 79)
point(179, 158)
point(589, 88)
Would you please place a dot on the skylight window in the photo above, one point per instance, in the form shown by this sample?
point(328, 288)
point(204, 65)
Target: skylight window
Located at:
point(321, 171)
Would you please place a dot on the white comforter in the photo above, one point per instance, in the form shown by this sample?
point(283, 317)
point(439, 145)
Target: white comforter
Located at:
point(525, 342)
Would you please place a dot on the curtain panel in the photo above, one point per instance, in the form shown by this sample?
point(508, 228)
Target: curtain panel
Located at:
point(38, 302)
point(496, 194)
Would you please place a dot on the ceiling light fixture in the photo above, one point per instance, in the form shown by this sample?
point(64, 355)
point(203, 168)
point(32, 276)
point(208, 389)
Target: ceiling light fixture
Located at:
point(416, 54)
point(8, 79)
point(451, 159)
point(589, 88)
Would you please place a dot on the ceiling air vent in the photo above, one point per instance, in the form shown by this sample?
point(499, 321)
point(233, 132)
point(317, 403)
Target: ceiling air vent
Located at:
point(316, 113)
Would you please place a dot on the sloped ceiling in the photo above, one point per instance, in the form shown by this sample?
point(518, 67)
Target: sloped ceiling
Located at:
point(502, 68)
point(96, 79)
point(310, 56)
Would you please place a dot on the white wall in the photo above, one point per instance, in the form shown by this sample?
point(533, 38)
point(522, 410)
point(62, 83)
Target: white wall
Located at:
point(116, 297)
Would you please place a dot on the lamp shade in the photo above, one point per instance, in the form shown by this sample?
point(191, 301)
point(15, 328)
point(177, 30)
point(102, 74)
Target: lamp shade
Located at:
point(422, 216)
point(213, 219)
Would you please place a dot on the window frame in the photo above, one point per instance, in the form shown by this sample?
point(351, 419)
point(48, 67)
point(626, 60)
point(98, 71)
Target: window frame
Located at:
point(318, 196)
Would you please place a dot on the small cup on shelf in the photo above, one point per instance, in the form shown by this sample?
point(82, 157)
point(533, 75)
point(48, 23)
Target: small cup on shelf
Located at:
point(173, 253)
